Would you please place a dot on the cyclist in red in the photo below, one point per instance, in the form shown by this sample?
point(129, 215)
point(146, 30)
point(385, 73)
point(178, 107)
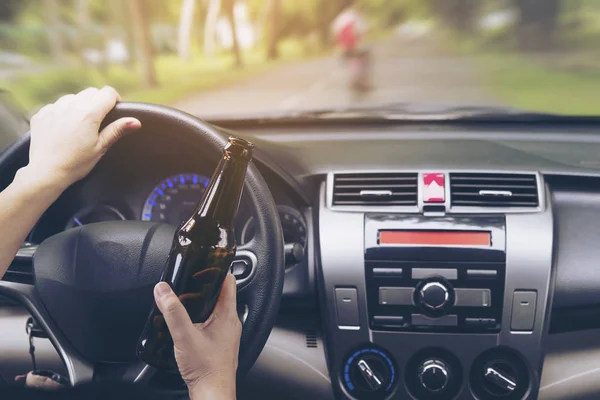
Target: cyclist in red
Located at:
point(349, 29)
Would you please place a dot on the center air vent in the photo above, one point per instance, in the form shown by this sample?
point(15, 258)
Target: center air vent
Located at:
point(494, 190)
point(375, 189)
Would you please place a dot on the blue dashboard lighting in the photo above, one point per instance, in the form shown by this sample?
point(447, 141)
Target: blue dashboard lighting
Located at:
point(346, 374)
point(172, 194)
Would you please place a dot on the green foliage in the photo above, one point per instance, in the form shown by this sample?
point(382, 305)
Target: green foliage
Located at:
point(528, 85)
point(177, 79)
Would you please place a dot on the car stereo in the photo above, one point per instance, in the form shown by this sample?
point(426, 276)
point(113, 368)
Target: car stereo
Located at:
point(435, 280)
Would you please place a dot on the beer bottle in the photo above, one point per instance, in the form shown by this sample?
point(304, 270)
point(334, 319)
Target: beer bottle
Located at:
point(202, 251)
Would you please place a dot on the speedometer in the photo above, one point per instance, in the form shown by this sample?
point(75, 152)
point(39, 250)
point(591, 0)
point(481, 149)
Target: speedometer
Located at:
point(173, 200)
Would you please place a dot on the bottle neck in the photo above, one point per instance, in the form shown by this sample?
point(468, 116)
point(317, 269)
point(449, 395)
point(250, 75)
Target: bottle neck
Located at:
point(221, 198)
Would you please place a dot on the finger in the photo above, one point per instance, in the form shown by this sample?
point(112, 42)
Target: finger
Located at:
point(87, 93)
point(104, 100)
point(64, 101)
point(226, 305)
point(41, 382)
point(41, 112)
point(116, 130)
point(20, 377)
point(176, 316)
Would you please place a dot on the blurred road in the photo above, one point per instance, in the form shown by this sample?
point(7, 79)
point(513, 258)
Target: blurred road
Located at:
point(415, 70)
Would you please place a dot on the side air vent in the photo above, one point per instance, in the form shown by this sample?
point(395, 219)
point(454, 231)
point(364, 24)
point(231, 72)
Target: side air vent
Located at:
point(21, 269)
point(375, 189)
point(311, 340)
point(494, 190)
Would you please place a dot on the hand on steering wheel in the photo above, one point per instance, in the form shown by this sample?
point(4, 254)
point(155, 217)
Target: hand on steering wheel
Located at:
point(65, 143)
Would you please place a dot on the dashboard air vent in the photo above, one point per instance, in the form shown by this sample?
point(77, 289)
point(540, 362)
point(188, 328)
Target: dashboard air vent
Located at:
point(494, 190)
point(375, 189)
point(311, 340)
point(19, 272)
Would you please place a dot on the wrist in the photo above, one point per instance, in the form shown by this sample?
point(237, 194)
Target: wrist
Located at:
point(40, 181)
point(202, 390)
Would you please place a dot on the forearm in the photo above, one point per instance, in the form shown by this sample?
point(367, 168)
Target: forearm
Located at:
point(21, 205)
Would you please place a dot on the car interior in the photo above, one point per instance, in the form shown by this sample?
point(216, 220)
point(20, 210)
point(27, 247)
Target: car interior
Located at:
point(449, 259)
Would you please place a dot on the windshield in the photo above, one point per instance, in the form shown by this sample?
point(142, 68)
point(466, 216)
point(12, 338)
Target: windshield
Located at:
point(255, 57)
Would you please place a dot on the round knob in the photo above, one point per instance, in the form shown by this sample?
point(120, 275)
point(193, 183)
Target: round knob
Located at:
point(369, 374)
point(434, 375)
point(434, 295)
point(500, 377)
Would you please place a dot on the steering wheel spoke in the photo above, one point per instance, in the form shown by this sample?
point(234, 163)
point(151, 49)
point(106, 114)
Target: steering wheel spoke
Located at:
point(78, 369)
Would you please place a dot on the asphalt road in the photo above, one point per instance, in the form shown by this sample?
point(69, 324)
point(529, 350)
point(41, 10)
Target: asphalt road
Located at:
point(404, 70)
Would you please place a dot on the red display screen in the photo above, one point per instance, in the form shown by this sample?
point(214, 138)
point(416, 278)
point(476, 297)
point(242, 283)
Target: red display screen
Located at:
point(436, 238)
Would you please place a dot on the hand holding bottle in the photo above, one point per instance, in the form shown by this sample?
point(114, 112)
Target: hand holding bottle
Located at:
point(206, 353)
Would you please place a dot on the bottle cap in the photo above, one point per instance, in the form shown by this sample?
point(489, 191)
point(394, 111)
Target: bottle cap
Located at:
point(238, 147)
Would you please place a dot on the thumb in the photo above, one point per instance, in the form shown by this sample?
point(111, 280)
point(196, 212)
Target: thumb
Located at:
point(175, 314)
point(226, 305)
point(116, 130)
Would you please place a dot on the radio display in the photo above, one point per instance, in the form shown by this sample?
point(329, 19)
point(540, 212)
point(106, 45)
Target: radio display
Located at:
point(435, 238)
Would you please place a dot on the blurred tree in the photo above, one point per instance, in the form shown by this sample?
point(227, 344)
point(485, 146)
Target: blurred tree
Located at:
point(10, 9)
point(272, 28)
point(229, 9)
point(210, 27)
point(121, 29)
point(538, 24)
point(460, 15)
point(53, 24)
point(82, 11)
point(143, 41)
point(184, 35)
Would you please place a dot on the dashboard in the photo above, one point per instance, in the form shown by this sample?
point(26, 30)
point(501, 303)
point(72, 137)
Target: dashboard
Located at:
point(155, 182)
point(443, 261)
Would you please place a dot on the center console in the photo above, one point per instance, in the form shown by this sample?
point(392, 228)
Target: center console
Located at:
point(431, 301)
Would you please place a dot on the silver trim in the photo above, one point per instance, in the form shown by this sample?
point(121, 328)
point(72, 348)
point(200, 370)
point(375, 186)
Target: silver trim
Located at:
point(499, 379)
point(449, 210)
point(245, 253)
point(375, 193)
point(504, 193)
point(26, 253)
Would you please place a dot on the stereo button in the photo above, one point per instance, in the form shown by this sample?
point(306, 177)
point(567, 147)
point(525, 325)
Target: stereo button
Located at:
point(423, 320)
point(423, 273)
point(396, 296)
point(472, 297)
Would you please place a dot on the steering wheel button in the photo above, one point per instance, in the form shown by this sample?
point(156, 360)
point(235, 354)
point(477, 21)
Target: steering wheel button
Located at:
point(240, 268)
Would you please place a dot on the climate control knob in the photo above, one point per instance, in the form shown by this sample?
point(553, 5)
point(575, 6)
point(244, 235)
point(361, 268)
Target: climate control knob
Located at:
point(434, 295)
point(434, 375)
point(369, 374)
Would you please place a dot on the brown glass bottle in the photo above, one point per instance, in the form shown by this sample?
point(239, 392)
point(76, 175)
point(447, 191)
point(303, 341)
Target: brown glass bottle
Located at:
point(202, 251)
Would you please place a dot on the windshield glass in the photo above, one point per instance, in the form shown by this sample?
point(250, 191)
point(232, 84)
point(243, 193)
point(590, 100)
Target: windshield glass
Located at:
point(255, 57)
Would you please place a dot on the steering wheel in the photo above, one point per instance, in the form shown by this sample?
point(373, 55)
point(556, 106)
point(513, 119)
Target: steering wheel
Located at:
point(93, 284)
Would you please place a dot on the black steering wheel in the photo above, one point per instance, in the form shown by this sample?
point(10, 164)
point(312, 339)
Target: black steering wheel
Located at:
point(93, 284)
